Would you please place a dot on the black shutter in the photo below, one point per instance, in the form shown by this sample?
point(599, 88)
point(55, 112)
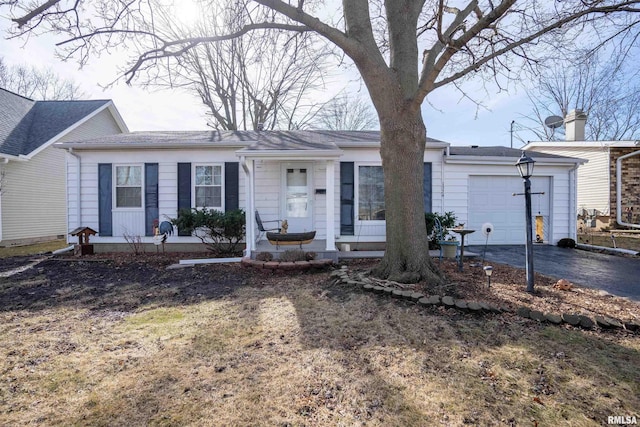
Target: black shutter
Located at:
point(231, 186)
point(184, 191)
point(347, 193)
point(150, 196)
point(427, 190)
point(105, 203)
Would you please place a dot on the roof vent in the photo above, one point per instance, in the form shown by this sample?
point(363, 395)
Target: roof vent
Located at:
point(474, 146)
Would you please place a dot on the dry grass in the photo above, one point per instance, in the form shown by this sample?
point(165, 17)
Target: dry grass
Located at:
point(33, 249)
point(299, 351)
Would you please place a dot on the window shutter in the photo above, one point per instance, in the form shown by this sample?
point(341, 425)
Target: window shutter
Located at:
point(347, 185)
point(105, 200)
point(150, 196)
point(231, 186)
point(427, 190)
point(184, 191)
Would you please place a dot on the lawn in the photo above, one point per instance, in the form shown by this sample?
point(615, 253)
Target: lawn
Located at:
point(101, 342)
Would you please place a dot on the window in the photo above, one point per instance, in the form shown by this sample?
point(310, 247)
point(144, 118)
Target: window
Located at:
point(370, 193)
point(128, 186)
point(208, 186)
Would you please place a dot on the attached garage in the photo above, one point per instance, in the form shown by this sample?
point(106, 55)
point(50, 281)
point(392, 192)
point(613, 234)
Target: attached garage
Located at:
point(479, 185)
point(491, 199)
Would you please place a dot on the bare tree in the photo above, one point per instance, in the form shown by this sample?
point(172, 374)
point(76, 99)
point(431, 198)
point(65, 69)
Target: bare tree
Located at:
point(347, 112)
point(403, 50)
point(602, 89)
point(262, 79)
point(36, 83)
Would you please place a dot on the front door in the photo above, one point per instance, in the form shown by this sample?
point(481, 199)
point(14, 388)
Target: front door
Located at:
point(297, 209)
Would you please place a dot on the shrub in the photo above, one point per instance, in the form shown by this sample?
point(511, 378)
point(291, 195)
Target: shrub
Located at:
point(221, 232)
point(447, 220)
point(566, 243)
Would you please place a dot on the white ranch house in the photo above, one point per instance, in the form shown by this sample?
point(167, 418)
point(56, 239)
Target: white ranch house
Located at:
point(328, 181)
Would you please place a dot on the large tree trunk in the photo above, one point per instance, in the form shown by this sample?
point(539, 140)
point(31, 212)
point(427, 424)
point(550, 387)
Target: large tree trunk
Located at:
point(407, 260)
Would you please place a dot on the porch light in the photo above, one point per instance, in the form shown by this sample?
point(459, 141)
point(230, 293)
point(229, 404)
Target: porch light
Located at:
point(488, 271)
point(525, 166)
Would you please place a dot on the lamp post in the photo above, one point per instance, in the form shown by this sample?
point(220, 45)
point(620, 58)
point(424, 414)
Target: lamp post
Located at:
point(525, 168)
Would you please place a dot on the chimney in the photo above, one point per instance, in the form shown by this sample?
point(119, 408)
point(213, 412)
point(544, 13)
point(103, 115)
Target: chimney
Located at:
point(574, 125)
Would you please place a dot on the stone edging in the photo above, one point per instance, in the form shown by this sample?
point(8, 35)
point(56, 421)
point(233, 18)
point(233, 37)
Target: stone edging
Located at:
point(479, 307)
point(286, 265)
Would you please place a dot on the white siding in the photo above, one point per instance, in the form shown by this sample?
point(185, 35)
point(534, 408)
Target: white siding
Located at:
point(593, 176)
point(99, 125)
point(458, 198)
point(133, 221)
point(34, 198)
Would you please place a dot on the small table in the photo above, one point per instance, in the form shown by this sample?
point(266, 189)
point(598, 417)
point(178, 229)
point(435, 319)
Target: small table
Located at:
point(462, 232)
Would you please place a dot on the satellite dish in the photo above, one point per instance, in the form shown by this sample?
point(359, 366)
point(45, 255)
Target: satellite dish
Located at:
point(553, 122)
point(487, 229)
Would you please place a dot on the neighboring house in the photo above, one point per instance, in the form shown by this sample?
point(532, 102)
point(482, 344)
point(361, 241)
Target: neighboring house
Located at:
point(328, 181)
point(33, 205)
point(597, 182)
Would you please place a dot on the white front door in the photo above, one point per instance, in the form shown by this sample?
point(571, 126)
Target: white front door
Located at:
point(297, 196)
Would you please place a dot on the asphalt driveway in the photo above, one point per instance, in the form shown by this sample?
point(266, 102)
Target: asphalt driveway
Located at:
point(617, 275)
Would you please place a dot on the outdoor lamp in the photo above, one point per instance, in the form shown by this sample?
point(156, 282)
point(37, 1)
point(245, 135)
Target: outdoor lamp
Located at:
point(525, 166)
point(488, 270)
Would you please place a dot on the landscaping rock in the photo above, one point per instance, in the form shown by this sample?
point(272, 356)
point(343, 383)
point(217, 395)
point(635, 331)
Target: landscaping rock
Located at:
point(368, 287)
point(614, 322)
point(553, 318)
point(434, 300)
point(602, 322)
point(484, 306)
point(415, 296)
point(461, 304)
point(494, 308)
point(424, 301)
point(387, 291)
point(396, 293)
point(271, 265)
point(632, 325)
point(378, 289)
point(448, 301)
point(537, 315)
point(407, 295)
point(474, 306)
point(586, 322)
point(572, 319)
point(524, 312)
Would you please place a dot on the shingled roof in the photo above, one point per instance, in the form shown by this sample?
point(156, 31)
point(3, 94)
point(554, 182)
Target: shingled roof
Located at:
point(25, 124)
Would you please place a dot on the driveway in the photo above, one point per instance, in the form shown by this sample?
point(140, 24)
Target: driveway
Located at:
point(617, 275)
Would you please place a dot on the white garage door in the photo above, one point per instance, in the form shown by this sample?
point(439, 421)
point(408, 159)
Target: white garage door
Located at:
point(491, 200)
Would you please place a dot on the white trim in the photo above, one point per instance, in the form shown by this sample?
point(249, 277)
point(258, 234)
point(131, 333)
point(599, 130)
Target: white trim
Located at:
point(222, 186)
point(330, 181)
point(498, 160)
point(290, 155)
point(114, 187)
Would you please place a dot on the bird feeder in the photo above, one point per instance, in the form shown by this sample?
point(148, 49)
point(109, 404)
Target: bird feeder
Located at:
point(83, 247)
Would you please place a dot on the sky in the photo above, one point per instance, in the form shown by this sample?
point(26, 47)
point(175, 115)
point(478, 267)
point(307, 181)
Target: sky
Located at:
point(454, 120)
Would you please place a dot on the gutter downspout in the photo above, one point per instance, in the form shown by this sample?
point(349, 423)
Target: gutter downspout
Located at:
point(619, 189)
point(444, 155)
point(79, 205)
point(573, 203)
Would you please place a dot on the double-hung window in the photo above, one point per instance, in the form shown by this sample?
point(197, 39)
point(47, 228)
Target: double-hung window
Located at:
point(208, 186)
point(370, 193)
point(128, 186)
